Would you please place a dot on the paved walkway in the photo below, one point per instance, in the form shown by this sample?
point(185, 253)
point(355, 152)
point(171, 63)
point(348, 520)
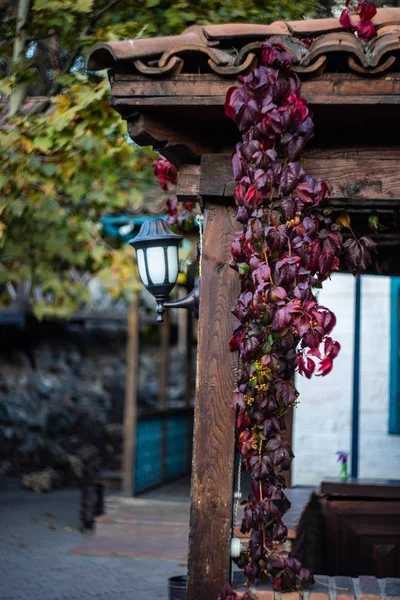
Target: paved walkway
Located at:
point(38, 531)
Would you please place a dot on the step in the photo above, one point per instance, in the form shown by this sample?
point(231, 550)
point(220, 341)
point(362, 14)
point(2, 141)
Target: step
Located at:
point(131, 516)
point(112, 480)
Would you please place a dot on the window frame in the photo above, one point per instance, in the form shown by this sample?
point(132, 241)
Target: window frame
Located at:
point(394, 386)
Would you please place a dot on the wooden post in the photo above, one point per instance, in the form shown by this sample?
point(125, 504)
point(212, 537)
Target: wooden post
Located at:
point(188, 383)
point(163, 401)
point(130, 408)
point(214, 421)
point(188, 358)
point(164, 364)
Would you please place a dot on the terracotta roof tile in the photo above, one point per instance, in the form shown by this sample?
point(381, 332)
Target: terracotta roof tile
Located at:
point(244, 30)
point(105, 55)
point(233, 48)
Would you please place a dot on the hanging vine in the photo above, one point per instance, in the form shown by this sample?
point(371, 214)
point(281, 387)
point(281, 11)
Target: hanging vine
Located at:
point(180, 215)
point(288, 245)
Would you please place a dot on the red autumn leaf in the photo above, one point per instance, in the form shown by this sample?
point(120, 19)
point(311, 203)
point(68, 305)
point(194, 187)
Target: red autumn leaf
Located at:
point(314, 352)
point(366, 9)
point(262, 274)
point(366, 30)
point(325, 366)
point(238, 399)
point(331, 348)
point(292, 175)
point(282, 318)
point(261, 466)
point(236, 340)
point(277, 294)
point(237, 166)
point(346, 21)
point(249, 348)
point(244, 442)
point(243, 420)
point(286, 392)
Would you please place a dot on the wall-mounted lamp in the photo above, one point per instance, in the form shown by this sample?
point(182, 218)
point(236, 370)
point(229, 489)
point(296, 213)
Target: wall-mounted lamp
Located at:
point(157, 258)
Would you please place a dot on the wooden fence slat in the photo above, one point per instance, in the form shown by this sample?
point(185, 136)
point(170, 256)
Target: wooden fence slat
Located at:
point(130, 407)
point(214, 425)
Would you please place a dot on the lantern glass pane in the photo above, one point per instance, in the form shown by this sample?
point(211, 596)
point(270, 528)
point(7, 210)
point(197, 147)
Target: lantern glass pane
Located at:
point(172, 254)
point(156, 265)
point(142, 267)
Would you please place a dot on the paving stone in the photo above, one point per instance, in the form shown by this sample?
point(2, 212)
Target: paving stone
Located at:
point(345, 584)
point(369, 585)
point(345, 597)
point(319, 595)
point(44, 569)
point(290, 596)
point(392, 587)
point(321, 584)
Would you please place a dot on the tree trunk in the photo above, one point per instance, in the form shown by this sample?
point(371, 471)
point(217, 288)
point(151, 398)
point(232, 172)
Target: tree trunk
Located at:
point(18, 59)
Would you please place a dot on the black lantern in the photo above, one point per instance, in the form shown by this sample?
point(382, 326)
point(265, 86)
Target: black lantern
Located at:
point(157, 258)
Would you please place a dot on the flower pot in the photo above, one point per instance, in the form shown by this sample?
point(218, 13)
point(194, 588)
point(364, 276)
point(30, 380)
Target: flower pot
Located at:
point(177, 588)
point(92, 503)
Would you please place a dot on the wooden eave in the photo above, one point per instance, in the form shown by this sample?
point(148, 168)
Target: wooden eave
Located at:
point(171, 91)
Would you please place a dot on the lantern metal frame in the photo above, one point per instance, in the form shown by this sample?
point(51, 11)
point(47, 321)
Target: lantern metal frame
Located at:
point(157, 234)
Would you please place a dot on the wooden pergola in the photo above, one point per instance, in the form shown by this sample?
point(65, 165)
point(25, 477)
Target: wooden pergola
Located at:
point(171, 92)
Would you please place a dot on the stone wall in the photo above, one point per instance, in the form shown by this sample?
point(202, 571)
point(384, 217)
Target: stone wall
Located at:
point(62, 396)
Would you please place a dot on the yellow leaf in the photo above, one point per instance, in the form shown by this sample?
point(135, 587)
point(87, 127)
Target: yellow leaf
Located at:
point(344, 220)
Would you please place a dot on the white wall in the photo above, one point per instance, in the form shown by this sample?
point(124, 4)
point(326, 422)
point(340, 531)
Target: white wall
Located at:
point(379, 451)
point(322, 421)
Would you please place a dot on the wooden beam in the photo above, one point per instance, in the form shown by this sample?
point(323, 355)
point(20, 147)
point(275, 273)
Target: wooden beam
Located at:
point(356, 177)
point(188, 187)
point(130, 406)
point(214, 421)
point(210, 90)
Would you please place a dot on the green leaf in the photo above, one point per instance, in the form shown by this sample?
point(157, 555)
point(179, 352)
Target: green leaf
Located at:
point(42, 143)
point(49, 169)
point(373, 222)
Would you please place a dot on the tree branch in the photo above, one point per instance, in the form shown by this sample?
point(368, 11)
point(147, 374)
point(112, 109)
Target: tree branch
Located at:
point(75, 52)
point(103, 11)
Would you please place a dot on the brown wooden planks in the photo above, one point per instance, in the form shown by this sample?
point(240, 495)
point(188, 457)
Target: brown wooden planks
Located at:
point(362, 177)
point(207, 90)
point(188, 188)
point(214, 425)
point(363, 536)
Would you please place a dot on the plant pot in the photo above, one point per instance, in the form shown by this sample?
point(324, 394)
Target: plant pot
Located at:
point(92, 503)
point(177, 588)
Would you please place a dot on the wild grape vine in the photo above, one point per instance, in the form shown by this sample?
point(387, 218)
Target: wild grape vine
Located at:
point(180, 215)
point(363, 27)
point(288, 245)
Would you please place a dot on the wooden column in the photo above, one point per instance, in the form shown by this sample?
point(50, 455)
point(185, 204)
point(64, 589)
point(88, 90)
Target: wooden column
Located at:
point(164, 360)
point(130, 407)
point(214, 421)
point(188, 358)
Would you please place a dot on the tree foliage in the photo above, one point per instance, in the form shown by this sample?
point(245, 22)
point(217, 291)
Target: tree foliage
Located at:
point(68, 162)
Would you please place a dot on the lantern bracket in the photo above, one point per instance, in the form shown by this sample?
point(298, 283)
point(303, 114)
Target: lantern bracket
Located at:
point(190, 302)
